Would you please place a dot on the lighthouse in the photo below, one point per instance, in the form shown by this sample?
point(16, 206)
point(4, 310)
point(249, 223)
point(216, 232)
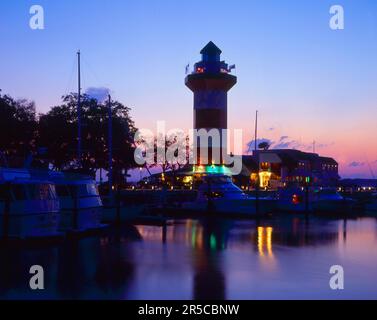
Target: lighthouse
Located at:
point(210, 82)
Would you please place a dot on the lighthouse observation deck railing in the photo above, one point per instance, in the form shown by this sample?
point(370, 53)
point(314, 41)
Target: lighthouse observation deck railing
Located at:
point(211, 67)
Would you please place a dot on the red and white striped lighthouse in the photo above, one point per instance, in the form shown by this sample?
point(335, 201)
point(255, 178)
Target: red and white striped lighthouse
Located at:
point(210, 82)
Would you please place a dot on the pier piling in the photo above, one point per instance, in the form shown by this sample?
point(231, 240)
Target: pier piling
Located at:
point(6, 214)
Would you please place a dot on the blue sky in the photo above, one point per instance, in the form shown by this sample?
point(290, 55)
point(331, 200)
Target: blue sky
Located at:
point(308, 81)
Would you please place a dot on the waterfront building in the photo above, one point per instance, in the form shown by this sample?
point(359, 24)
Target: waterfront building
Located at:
point(280, 167)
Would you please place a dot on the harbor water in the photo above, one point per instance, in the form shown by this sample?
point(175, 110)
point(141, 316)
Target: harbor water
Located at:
point(287, 257)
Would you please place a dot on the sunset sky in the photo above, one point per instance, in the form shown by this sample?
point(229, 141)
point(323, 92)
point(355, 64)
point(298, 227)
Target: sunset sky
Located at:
point(307, 81)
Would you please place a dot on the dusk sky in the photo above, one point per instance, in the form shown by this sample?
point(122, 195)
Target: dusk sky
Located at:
point(308, 81)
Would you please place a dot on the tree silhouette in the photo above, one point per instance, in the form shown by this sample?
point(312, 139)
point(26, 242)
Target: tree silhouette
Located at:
point(58, 133)
point(18, 127)
point(264, 145)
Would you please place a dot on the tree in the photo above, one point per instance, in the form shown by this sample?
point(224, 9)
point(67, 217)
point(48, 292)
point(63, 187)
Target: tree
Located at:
point(18, 127)
point(58, 133)
point(169, 152)
point(264, 145)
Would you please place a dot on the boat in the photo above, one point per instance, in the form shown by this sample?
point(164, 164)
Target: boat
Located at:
point(29, 207)
point(80, 202)
point(329, 201)
point(319, 200)
point(218, 194)
point(294, 200)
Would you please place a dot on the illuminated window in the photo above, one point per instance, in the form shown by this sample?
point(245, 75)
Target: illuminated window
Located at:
point(264, 179)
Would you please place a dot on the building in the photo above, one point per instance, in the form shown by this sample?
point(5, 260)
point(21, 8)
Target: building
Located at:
point(210, 82)
point(280, 167)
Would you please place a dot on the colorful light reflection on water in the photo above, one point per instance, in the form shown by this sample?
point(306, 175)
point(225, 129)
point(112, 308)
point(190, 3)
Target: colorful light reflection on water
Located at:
point(274, 259)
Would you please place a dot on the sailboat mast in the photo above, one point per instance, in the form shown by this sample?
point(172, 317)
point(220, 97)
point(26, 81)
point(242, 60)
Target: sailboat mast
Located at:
point(79, 135)
point(256, 132)
point(257, 158)
point(110, 141)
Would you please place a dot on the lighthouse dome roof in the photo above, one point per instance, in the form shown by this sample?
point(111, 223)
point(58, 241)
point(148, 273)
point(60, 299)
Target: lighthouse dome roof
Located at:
point(210, 49)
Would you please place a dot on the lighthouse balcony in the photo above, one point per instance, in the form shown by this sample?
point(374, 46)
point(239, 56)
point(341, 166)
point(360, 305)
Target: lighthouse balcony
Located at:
point(210, 81)
point(211, 67)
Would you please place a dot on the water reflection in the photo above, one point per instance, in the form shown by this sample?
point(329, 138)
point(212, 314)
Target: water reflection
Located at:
point(264, 241)
point(209, 238)
point(201, 259)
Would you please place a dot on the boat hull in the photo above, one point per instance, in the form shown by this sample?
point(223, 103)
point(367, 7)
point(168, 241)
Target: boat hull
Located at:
point(88, 211)
point(30, 220)
point(293, 208)
point(87, 218)
point(333, 206)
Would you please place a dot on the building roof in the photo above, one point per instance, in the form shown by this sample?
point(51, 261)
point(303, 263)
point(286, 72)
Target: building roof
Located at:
point(328, 160)
point(210, 48)
point(249, 162)
point(292, 156)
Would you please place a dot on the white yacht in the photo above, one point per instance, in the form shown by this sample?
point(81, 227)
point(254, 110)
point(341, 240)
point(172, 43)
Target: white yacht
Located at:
point(80, 202)
point(29, 208)
point(218, 194)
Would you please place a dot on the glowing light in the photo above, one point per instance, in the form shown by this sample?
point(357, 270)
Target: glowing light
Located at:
point(265, 241)
point(269, 241)
point(296, 199)
point(260, 241)
point(213, 242)
point(264, 178)
point(187, 179)
point(193, 236)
